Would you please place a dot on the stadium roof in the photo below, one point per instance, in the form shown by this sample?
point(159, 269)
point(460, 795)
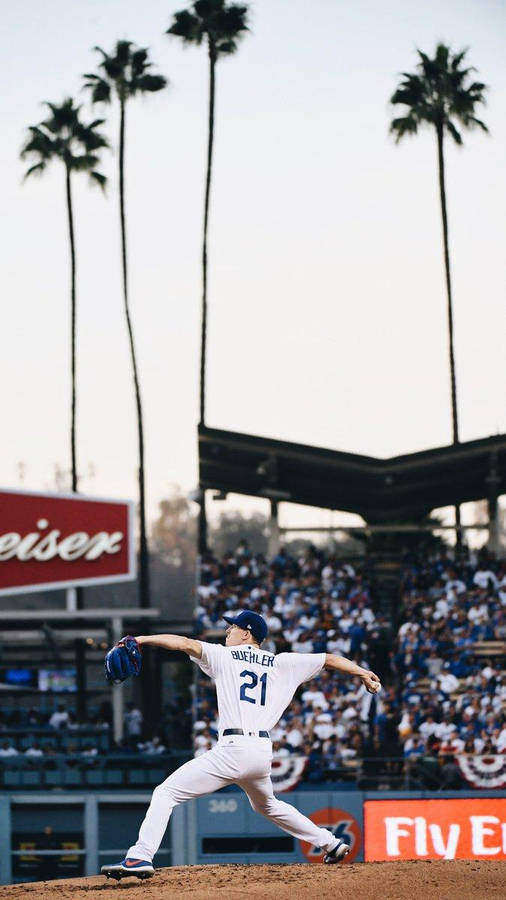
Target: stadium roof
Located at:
point(399, 489)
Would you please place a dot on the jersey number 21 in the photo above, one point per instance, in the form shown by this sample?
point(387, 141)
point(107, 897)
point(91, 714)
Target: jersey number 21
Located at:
point(251, 685)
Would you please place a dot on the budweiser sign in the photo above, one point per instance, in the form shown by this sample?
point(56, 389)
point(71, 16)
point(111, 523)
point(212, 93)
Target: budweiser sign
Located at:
point(61, 540)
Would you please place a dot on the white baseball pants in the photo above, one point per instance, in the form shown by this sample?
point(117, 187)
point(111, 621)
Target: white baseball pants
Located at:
point(244, 762)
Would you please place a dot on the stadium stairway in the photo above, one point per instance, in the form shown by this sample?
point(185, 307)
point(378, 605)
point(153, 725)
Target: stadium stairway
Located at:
point(386, 567)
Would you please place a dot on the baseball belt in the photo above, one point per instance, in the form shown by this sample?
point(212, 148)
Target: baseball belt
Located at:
point(263, 734)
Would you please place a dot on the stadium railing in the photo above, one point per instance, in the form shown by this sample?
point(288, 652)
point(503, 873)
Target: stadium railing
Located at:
point(23, 737)
point(58, 771)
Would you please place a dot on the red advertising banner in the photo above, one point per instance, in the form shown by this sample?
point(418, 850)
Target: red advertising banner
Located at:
point(343, 825)
point(63, 540)
point(435, 829)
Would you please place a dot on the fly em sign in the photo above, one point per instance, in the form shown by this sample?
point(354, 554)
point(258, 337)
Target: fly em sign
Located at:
point(50, 541)
point(462, 828)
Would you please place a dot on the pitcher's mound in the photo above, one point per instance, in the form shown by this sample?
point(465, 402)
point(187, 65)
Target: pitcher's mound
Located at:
point(439, 880)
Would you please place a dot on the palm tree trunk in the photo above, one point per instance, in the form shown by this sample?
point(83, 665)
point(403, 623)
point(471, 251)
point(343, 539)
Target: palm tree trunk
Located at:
point(80, 646)
point(444, 216)
point(202, 527)
point(144, 591)
point(203, 343)
point(72, 330)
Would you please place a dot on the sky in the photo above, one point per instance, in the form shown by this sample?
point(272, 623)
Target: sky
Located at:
point(327, 311)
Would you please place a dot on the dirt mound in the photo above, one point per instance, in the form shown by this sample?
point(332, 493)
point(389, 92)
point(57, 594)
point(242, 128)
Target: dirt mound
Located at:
point(441, 880)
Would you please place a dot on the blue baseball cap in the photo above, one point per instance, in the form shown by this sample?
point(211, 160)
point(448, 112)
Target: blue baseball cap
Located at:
point(250, 621)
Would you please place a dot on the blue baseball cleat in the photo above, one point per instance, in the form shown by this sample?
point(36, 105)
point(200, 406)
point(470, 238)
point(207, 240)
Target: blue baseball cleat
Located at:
point(337, 854)
point(139, 868)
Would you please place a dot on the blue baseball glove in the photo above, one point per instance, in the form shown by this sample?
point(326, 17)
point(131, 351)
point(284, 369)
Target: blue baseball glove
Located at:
point(124, 660)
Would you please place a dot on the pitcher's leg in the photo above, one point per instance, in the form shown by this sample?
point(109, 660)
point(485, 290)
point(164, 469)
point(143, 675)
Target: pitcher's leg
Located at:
point(199, 776)
point(261, 797)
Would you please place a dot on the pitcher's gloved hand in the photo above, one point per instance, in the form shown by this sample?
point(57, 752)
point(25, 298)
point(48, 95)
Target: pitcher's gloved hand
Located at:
point(124, 660)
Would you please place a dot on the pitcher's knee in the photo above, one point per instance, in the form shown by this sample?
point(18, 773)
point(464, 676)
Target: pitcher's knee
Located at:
point(166, 794)
point(266, 806)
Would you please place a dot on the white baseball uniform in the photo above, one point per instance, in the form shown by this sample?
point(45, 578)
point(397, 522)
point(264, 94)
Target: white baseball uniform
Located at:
point(254, 687)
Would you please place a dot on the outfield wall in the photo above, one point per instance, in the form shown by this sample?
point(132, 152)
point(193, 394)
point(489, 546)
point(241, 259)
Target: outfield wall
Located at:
point(91, 829)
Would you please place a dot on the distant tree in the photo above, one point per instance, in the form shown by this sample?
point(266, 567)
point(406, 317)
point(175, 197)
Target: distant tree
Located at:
point(125, 73)
point(233, 526)
point(173, 532)
point(441, 94)
point(219, 25)
point(77, 145)
point(173, 557)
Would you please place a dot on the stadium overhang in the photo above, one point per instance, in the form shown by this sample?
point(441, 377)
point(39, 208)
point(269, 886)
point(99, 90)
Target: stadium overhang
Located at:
point(399, 489)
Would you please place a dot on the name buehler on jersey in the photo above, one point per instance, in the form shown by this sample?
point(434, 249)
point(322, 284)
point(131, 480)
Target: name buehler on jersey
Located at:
point(253, 688)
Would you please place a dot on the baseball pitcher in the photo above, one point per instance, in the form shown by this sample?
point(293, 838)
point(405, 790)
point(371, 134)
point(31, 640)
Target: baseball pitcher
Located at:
point(253, 688)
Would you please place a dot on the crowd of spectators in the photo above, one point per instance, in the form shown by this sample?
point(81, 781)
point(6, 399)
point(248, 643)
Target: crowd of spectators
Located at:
point(61, 716)
point(442, 694)
point(448, 657)
point(28, 733)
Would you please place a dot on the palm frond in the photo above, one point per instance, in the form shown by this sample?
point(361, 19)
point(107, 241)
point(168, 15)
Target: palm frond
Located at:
point(89, 138)
point(83, 163)
point(63, 116)
point(455, 133)
point(441, 56)
point(478, 123)
point(100, 90)
point(148, 83)
point(114, 69)
point(98, 178)
point(186, 26)
point(231, 22)
point(38, 143)
point(37, 169)
point(458, 58)
point(477, 87)
point(226, 48)
point(139, 62)
point(123, 52)
point(402, 126)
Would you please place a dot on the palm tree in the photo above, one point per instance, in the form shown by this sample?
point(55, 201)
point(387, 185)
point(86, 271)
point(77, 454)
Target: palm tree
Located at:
point(441, 94)
point(125, 73)
point(220, 25)
point(63, 136)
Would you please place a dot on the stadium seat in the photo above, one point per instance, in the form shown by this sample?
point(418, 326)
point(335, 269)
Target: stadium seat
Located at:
point(136, 776)
point(155, 776)
point(31, 778)
point(94, 777)
point(114, 776)
point(11, 778)
point(72, 777)
point(489, 648)
point(53, 777)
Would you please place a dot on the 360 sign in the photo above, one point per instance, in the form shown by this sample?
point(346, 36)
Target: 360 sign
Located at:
point(60, 540)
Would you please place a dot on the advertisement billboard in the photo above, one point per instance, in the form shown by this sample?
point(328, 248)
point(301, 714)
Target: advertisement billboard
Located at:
point(343, 825)
point(63, 540)
point(463, 828)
